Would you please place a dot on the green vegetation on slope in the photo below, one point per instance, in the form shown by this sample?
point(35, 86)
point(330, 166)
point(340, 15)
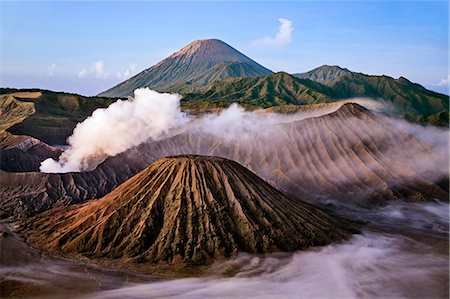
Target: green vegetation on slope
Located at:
point(406, 96)
point(271, 90)
point(410, 100)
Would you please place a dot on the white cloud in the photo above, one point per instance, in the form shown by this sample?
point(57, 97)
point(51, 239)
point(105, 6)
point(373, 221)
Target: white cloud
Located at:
point(127, 73)
point(97, 69)
point(51, 70)
point(282, 38)
point(443, 82)
point(83, 73)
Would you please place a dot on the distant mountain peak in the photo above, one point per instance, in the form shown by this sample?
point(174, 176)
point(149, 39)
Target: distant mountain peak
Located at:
point(210, 51)
point(324, 73)
point(195, 65)
point(331, 67)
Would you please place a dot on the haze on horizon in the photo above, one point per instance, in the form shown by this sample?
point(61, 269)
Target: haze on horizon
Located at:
point(88, 47)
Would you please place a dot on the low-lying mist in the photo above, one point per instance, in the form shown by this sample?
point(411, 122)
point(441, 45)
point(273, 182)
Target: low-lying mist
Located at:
point(370, 265)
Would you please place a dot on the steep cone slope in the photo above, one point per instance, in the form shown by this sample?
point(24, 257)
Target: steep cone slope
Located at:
point(350, 155)
point(197, 64)
point(186, 209)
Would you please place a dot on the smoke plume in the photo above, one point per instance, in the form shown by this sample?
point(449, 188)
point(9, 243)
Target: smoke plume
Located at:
point(243, 136)
point(124, 124)
point(150, 116)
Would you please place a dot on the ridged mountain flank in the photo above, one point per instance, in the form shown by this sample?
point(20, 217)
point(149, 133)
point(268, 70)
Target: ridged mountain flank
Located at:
point(264, 91)
point(409, 98)
point(198, 64)
point(186, 209)
point(350, 155)
point(324, 74)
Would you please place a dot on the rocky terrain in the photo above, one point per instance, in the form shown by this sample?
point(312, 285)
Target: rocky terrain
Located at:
point(21, 153)
point(186, 209)
point(45, 115)
point(351, 155)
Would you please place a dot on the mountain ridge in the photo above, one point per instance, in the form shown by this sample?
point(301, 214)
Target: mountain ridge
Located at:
point(407, 96)
point(321, 85)
point(193, 64)
point(359, 144)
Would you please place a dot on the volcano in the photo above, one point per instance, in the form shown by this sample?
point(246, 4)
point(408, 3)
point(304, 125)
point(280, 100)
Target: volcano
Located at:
point(199, 63)
point(186, 209)
point(351, 155)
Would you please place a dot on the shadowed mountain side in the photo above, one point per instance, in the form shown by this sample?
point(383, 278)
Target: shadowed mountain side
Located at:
point(46, 115)
point(324, 85)
point(350, 155)
point(186, 209)
point(13, 110)
point(23, 153)
point(26, 194)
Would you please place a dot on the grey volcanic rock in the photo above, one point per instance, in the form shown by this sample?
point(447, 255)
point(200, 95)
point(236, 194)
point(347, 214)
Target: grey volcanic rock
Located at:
point(197, 64)
point(186, 209)
point(29, 193)
point(23, 153)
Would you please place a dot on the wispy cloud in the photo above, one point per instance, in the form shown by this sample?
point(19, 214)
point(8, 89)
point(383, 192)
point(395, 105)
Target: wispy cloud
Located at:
point(97, 69)
point(282, 38)
point(128, 72)
point(443, 82)
point(51, 70)
point(83, 73)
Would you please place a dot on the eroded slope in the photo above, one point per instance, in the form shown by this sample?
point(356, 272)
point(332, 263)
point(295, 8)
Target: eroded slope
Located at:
point(186, 209)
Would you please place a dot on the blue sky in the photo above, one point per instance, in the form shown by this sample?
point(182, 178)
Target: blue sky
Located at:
point(87, 47)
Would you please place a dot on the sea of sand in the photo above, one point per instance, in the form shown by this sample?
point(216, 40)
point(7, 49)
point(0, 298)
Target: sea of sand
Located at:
point(402, 252)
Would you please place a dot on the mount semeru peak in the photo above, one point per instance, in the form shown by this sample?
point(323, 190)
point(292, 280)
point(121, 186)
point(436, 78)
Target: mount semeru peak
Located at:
point(196, 65)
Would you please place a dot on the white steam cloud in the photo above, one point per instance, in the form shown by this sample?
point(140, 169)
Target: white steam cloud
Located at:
point(113, 130)
point(151, 116)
